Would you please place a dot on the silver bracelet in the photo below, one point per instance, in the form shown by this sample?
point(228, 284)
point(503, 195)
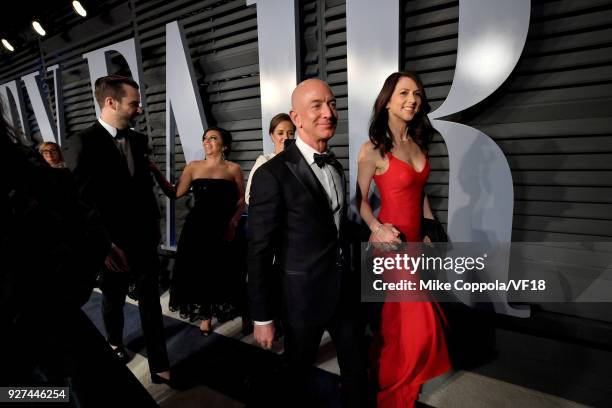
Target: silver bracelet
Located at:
point(380, 225)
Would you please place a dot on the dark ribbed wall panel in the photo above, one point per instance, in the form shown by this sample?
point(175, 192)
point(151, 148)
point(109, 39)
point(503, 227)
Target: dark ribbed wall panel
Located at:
point(551, 117)
point(553, 122)
point(323, 55)
point(222, 41)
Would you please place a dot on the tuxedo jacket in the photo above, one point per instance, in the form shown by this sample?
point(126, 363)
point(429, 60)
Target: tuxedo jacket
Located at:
point(292, 225)
point(126, 203)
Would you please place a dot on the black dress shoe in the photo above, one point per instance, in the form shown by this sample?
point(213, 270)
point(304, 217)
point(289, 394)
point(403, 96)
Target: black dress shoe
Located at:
point(121, 355)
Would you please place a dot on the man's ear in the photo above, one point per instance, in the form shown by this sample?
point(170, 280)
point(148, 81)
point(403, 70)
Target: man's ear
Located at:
point(295, 118)
point(109, 101)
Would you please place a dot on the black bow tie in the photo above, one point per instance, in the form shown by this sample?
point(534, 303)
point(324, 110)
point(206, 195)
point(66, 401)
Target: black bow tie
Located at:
point(325, 158)
point(121, 133)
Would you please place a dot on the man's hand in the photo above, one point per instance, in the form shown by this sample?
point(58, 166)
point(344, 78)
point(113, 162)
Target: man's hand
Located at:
point(264, 334)
point(116, 260)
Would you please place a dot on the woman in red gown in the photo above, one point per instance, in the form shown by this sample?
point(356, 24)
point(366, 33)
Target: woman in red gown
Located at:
point(410, 347)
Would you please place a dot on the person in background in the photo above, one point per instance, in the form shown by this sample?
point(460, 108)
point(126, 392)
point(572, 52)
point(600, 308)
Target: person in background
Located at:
point(205, 282)
point(111, 166)
point(52, 154)
point(281, 129)
point(410, 345)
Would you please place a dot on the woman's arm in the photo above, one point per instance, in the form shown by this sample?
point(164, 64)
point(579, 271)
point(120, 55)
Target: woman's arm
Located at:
point(366, 168)
point(163, 183)
point(427, 209)
point(182, 187)
point(260, 160)
point(239, 181)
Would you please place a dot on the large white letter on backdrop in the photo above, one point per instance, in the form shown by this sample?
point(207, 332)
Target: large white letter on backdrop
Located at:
point(184, 112)
point(60, 119)
point(492, 35)
point(276, 39)
point(98, 66)
point(10, 111)
point(42, 111)
point(372, 36)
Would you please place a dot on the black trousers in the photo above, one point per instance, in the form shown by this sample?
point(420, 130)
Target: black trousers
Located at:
point(301, 347)
point(144, 264)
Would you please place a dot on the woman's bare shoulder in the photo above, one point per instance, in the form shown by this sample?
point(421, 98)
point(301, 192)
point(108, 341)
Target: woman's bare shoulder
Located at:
point(369, 152)
point(233, 167)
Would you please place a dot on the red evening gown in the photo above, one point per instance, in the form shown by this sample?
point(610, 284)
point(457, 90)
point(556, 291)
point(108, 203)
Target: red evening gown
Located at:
point(411, 347)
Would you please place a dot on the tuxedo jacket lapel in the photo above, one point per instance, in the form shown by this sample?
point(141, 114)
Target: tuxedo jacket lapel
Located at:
point(304, 174)
point(114, 154)
point(342, 191)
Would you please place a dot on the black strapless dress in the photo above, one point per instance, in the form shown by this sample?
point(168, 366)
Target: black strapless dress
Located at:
point(204, 280)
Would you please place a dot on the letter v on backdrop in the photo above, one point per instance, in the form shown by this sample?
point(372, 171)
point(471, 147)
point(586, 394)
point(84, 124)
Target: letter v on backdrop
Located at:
point(42, 112)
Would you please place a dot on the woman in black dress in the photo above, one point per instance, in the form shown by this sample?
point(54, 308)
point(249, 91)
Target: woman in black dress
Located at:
point(204, 283)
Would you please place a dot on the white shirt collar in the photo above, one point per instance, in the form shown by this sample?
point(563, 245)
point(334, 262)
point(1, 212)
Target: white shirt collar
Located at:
point(306, 150)
point(111, 129)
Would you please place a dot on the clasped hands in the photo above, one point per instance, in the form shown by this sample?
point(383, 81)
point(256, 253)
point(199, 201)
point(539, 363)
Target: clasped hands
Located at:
point(385, 237)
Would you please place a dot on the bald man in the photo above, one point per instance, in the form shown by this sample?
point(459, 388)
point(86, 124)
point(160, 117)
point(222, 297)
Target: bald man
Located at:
point(297, 245)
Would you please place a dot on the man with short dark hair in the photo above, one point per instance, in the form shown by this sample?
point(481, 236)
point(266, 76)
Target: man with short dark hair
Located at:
point(110, 163)
point(297, 220)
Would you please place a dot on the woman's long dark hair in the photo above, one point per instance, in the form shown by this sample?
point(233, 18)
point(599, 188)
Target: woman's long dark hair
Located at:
point(419, 128)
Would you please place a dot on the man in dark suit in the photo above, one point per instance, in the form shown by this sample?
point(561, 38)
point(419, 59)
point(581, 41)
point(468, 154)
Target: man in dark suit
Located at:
point(297, 220)
point(110, 164)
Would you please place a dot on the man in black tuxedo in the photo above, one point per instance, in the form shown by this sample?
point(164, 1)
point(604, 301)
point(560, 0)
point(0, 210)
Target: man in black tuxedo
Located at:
point(297, 220)
point(110, 164)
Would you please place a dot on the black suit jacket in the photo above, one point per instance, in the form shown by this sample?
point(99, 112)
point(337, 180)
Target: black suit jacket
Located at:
point(292, 225)
point(126, 203)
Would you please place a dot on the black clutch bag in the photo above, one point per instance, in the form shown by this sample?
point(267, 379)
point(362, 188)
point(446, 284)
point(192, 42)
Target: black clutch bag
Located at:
point(434, 230)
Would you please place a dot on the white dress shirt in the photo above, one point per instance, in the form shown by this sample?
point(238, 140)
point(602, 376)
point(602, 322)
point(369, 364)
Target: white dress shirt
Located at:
point(329, 178)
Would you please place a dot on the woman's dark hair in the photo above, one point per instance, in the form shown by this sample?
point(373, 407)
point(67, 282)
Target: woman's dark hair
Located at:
point(226, 138)
point(419, 129)
point(277, 120)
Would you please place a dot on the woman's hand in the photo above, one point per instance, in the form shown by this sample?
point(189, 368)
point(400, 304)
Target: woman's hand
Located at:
point(385, 233)
point(385, 237)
